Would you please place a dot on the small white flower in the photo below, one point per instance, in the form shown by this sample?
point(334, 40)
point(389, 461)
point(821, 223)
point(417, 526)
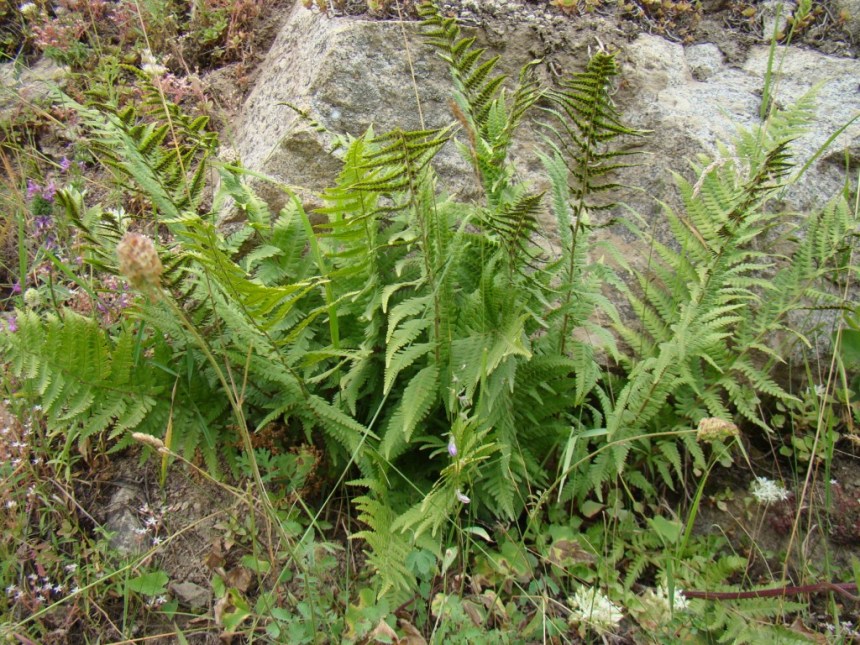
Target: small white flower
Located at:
point(11, 589)
point(16, 461)
point(767, 491)
point(37, 408)
point(156, 601)
point(140, 531)
point(75, 589)
point(463, 498)
point(58, 589)
point(11, 504)
point(679, 600)
point(32, 577)
point(592, 608)
point(28, 8)
point(36, 461)
point(157, 540)
point(71, 568)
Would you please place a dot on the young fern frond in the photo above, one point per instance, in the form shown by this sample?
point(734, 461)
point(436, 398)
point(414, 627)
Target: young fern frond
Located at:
point(166, 163)
point(474, 84)
point(480, 102)
point(583, 123)
point(515, 223)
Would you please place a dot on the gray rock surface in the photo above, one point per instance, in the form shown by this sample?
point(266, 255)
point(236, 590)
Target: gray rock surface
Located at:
point(21, 85)
point(689, 116)
point(351, 74)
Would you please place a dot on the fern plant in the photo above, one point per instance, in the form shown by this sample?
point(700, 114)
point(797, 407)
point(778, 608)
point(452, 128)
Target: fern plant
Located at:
point(470, 330)
point(241, 315)
point(706, 312)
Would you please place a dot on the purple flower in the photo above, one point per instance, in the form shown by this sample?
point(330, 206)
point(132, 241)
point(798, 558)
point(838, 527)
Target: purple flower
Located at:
point(13, 324)
point(33, 189)
point(49, 191)
point(65, 164)
point(16, 288)
point(452, 448)
point(42, 223)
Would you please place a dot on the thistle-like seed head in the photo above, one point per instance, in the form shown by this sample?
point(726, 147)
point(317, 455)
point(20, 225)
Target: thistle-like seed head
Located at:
point(714, 428)
point(139, 261)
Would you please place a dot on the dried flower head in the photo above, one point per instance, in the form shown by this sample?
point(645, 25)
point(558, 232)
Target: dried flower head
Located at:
point(139, 261)
point(591, 608)
point(149, 440)
point(657, 602)
point(714, 429)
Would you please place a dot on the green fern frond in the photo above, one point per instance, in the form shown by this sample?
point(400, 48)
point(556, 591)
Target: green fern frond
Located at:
point(389, 549)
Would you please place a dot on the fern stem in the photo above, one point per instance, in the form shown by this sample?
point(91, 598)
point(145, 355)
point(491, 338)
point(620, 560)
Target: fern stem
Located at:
point(333, 322)
point(571, 270)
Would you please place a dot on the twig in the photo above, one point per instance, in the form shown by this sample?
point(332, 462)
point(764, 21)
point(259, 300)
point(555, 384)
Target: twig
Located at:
point(844, 589)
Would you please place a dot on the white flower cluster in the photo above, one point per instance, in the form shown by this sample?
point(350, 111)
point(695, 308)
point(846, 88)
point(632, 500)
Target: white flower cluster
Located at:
point(150, 65)
point(767, 491)
point(153, 520)
point(28, 9)
point(592, 608)
point(37, 590)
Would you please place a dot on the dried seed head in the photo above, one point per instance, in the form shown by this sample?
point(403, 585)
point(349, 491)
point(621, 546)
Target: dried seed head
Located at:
point(139, 261)
point(714, 428)
point(149, 440)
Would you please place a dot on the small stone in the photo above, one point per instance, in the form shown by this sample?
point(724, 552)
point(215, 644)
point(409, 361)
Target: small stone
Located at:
point(191, 595)
point(124, 523)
